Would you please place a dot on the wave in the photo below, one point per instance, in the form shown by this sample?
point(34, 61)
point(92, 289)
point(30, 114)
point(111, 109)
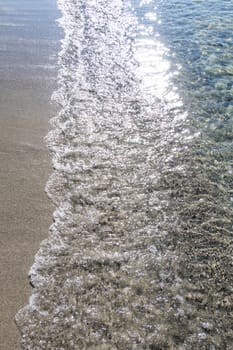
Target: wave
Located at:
point(111, 274)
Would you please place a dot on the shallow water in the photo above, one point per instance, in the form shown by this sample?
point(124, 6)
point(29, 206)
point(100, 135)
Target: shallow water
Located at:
point(29, 42)
point(140, 252)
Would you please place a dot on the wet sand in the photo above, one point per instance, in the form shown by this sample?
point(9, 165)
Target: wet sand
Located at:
point(25, 213)
point(28, 44)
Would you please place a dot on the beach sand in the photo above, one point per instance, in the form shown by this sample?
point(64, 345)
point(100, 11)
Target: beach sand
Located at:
point(25, 212)
point(28, 44)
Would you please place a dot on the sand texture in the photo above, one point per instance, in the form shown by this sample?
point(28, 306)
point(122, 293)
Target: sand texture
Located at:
point(25, 212)
point(29, 41)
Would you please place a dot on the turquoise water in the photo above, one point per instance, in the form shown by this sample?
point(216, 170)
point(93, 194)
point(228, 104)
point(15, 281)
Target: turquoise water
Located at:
point(199, 36)
point(140, 252)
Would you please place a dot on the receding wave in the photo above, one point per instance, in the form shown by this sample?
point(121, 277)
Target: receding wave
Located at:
point(133, 258)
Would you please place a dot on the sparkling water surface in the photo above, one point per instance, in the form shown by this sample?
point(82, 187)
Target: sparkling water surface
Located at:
point(140, 252)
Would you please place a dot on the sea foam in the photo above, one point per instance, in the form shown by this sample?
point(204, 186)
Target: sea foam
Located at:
point(108, 276)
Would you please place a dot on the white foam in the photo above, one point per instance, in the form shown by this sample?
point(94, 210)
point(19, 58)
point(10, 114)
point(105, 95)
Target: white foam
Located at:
point(111, 144)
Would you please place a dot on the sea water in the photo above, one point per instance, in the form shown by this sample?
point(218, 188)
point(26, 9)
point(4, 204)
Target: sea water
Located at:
point(28, 43)
point(140, 252)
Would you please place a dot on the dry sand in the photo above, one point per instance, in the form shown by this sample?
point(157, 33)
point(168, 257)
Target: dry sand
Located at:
point(25, 211)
